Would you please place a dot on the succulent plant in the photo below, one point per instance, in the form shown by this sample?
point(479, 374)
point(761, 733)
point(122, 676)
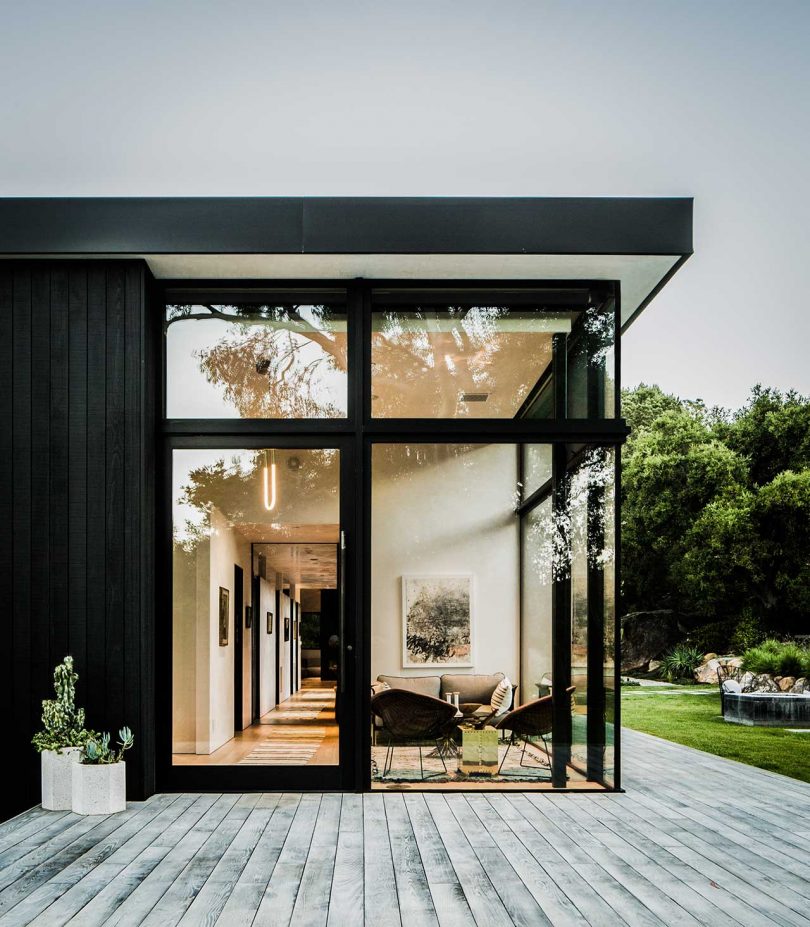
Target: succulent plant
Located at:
point(98, 752)
point(62, 723)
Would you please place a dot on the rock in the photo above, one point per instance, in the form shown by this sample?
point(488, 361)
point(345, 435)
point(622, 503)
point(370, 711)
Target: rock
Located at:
point(654, 666)
point(801, 686)
point(747, 682)
point(709, 656)
point(707, 672)
point(648, 636)
point(777, 679)
point(764, 683)
point(736, 662)
point(786, 683)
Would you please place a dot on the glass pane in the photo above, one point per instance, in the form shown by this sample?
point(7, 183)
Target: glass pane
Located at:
point(257, 360)
point(482, 358)
point(591, 364)
point(255, 537)
point(536, 467)
point(592, 611)
point(536, 653)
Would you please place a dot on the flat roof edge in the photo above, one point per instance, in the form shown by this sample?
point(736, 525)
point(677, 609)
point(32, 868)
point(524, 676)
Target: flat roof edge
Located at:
point(346, 225)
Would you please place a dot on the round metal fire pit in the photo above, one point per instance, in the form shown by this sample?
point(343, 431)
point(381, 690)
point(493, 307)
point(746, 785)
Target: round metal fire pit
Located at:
point(767, 709)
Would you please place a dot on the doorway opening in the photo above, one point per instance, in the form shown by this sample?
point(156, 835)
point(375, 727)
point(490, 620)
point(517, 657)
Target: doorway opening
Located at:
point(256, 598)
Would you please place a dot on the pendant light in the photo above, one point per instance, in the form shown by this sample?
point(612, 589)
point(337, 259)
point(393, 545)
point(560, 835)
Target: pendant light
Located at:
point(269, 477)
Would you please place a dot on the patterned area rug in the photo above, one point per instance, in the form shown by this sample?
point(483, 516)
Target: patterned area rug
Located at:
point(405, 766)
point(306, 705)
point(282, 715)
point(286, 748)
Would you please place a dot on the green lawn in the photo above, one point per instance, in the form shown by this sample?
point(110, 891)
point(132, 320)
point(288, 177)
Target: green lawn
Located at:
point(695, 720)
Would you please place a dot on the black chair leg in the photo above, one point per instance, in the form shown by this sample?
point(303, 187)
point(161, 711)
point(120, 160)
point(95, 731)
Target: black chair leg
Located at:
point(421, 768)
point(508, 748)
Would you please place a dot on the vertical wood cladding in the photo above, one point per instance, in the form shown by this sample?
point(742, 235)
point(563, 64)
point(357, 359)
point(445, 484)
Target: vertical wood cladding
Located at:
point(78, 345)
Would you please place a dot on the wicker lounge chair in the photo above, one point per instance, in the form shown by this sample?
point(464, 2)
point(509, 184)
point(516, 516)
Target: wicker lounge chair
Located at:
point(534, 719)
point(410, 718)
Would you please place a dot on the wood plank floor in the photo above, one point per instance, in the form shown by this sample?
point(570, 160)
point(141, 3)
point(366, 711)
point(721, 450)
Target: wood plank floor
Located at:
point(694, 840)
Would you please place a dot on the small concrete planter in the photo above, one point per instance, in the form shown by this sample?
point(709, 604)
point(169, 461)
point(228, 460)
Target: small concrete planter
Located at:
point(57, 777)
point(99, 788)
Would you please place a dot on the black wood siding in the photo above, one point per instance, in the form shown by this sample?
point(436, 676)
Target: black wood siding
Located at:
point(78, 344)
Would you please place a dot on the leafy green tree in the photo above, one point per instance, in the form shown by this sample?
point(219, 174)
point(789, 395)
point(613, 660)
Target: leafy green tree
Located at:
point(717, 510)
point(782, 518)
point(772, 431)
point(672, 470)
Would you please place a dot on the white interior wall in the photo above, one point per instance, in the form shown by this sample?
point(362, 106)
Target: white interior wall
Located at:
point(184, 651)
point(228, 548)
point(449, 514)
point(267, 656)
point(284, 662)
point(203, 671)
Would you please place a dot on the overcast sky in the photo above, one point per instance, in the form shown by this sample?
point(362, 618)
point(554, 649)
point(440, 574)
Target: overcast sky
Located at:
point(650, 98)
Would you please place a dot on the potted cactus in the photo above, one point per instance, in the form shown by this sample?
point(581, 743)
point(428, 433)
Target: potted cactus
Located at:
point(62, 738)
point(100, 778)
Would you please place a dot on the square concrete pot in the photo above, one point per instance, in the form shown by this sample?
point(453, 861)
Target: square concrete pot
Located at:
point(99, 789)
point(57, 777)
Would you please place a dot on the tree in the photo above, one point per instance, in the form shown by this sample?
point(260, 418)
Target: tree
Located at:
point(671, 471)
point(717, 509)
point(772, 431)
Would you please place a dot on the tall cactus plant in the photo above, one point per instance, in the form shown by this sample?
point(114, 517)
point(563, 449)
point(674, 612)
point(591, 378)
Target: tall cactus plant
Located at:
point(62, 722)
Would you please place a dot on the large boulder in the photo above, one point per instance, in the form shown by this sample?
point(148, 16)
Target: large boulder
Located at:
point(707, 672)
point(764, 683)
point(801, 686)
point(648, 636)
point(747, 681)
point(786, 683)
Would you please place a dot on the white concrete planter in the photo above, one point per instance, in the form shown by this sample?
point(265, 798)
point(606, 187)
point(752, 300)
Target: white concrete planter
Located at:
point(100, 789)
point(57, 777)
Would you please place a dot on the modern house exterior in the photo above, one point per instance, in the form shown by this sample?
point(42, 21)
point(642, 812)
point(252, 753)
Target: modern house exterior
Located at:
point(322, 493)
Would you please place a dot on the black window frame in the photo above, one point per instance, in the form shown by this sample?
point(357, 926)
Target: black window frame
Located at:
point(355, 435)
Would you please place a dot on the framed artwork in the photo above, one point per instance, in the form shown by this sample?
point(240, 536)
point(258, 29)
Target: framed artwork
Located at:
point(224, 597)
point(286, 627)
point(269, 622)
point(248, 615)
point(437, 620)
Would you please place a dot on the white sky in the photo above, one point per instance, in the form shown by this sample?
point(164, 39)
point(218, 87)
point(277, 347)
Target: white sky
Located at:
point(651, 97)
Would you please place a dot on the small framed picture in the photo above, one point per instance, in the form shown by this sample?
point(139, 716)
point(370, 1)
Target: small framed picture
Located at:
point(224, 596)
point(248, 615)
point(286, 627)
point(269, 622)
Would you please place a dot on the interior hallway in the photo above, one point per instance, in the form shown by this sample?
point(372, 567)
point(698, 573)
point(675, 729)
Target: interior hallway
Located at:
point(301, 731)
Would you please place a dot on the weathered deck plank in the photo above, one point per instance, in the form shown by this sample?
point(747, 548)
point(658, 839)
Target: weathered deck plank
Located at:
point(695, 840)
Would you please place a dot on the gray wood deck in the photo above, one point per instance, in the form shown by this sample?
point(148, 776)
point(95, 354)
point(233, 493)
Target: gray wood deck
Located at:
point(695, 840)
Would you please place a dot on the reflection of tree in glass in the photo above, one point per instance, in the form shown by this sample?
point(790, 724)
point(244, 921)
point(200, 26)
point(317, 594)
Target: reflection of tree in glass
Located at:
point(276, 361)
point(439, 626)
point(580, 525)
point(441, 354)
point(236, 490)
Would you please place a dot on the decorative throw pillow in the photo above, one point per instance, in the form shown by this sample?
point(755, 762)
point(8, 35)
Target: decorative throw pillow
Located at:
point(500, 697)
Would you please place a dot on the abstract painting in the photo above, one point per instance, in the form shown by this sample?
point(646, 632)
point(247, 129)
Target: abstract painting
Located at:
point(437, 625)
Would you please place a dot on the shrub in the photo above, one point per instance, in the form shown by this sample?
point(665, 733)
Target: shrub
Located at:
point(681, 662)
point(712, 638)
point(777, 658)
point(747, 634)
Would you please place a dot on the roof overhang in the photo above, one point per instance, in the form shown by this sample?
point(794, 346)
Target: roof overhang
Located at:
point(637, 242)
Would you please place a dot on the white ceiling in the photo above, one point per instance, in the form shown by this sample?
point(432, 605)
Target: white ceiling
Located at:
point(639, 274)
